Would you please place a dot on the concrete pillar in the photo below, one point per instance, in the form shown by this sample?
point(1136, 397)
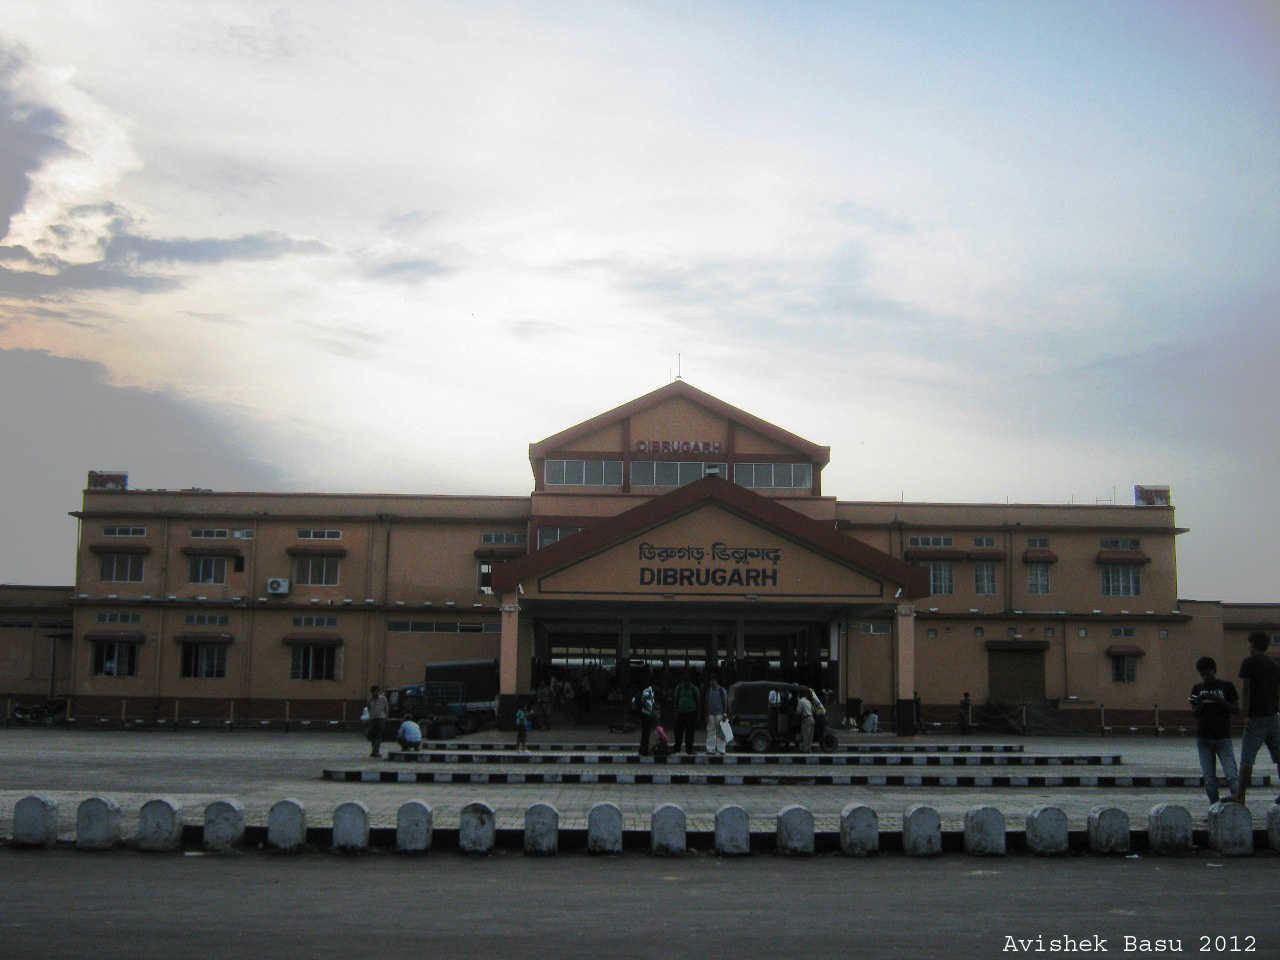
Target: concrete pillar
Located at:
point(541, 830)
point(413, 827)
point(904, 669)
point(97, 824)
point(921, 832)
point(1108, 830)
point(1048, 833)
point(1273, 827)
point(795, 830)
point(859, 830)
point(509, 655)
point(984, 834)
point(740, 639)
point(223, 824)
point(1169, 829)
point(287, 824)
point(476, 828)
point(35, 822)
point(1231, 829)
point(351, 826)
point(160, 825)
point(604, 828)
point(667, 829)
point(733, 831)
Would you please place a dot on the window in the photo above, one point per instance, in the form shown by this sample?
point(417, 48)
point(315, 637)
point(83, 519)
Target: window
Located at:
point(1038, 578)
point(1050, 632)
point(1037, 543)
point(244, 533)
point(470, 626)
point(550, 535)
point(1124, 669)
point(492, 626)
point(876, 629)
point(931, 634)
point(206, 619)
point(207, 570)
point(504, 537)
point(979, 632)
point(205, 660)
point(484, 575)
point(314, 534)
point(118, 618)
point(941, 577)
point(984, 541)
point(121, 567)
point(1123, 632)
point(124, 531)
point(444, 626)
point(313, 661)
point(583, 473)
point(1082, 632)
point(672, 473)
point(315, 620)
point(984, 578)
point(112, 659)
point(209, 533)
point(929, 541)
point(773, 475)
point(1121, 543)
point(1164, 635)
point(1121, 580)
point(22, 624)
point(316, 571)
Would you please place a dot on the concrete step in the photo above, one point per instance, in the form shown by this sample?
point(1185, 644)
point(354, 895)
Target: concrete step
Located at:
point(629, 746)
point(755, 759)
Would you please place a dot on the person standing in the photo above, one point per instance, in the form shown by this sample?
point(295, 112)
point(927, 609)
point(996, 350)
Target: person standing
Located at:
point(522, 728)
point(1214, 701)
point(966, 708)
point(648, 709)
point(1261, 676)
point(377, 718)
point(715, 714)
point(686, 700)
point(804, 710)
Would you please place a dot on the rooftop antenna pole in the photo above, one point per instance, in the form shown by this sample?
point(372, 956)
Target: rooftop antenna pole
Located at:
point(678, 377)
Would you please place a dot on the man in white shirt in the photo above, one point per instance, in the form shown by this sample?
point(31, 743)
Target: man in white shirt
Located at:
point(409, 736)
point(804, 710)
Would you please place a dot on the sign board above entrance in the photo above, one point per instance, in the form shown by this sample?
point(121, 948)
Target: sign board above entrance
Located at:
point(678, 446)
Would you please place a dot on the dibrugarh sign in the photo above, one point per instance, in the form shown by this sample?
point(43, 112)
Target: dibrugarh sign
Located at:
point(726, 566)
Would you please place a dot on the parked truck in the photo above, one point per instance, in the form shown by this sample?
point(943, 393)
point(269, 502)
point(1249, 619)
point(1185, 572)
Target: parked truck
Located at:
point(461, 693)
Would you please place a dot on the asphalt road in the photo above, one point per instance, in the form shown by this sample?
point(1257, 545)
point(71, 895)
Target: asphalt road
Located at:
point(62, 903)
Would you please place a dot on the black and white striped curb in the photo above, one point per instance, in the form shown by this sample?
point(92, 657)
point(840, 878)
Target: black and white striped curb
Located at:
point(795, 759)
point(629, 747)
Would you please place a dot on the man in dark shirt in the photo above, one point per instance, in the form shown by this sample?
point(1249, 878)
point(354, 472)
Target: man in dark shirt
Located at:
point(1214, 701)
point(1261, 676)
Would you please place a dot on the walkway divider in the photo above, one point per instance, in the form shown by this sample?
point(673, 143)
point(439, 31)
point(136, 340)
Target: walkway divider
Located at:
point(1170, 832)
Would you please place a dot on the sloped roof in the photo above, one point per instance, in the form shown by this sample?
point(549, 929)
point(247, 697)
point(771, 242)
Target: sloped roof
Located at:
point(817, 453)
point(818, 536)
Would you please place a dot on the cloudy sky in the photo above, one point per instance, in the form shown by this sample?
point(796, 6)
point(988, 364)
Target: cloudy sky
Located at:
point(986, 251)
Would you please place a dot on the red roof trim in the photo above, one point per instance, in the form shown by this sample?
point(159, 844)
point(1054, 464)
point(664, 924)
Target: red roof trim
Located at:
point(1122, 556)
point(934, 553)
point(1039, 555)
point(813, 533)
point(1125, 650)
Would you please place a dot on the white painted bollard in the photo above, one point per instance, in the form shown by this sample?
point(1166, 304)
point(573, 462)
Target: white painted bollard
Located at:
point(604, 828)
point(287, 824)
point(733, 831)
point(1108, 830)
point(223, 824)
point(1169, 829)
point(35, 822)
point(859, 830)
point(1231, 829)
point(1273, 827)
point(97, 824)
point(795, 830)
point(1048, 834)
point(667, 829)
point(477, 828)
point(984, 834)
point(160, 825)
point(351, 826)
point(413, 827)
point(921, 832)
point(541, 830)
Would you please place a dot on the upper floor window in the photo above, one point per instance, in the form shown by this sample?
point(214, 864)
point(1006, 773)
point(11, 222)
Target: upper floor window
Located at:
point(878, 628)
point(984, 541)
point(1124, 669)
point(444, 626)
point(773, 475)
point(209, 533)
point(941, 577)
point(316, 571)
point(315, 620)
point(112, 659)
point(1037, 543)
point(207, 570)
point(1123, 632)
point(550, 535)
point(484, 576)
point(206, 619)
point(124, 531)
point(313, 661)
point(1038, 578)
point(504, 537)
point(1121, 579)
point(930, 541)
point(1121, 543)
point(117, 617)
point(673, 473)
point(319, 534)
point(205, 660)
point(984, 578)
point(121, 567)
point(583, 473)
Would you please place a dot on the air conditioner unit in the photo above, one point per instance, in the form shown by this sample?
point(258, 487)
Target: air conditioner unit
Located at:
point(277, 586)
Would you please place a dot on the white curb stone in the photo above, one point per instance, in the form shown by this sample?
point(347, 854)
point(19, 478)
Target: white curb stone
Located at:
point(1048, 833)
point(160, 825)
point(35, 822)
point(413, 827)
point(667, 829)
point(859, 830)
point(921, 832)
point(1273, 827)
point(97, 824)
point(733, 831)
point(541, 830)
point(1108, 830)
point(287, 824)
point(351, 826)
point(795, 830)
point(476, 828)
point(984, 832)
point(1169, 829)
point(223, 824)
point(604, 828)
point(1231, 829)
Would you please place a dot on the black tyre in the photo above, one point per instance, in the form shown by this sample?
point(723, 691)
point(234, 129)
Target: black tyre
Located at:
point(466, 723)
point(760, 741)
point(830, 741)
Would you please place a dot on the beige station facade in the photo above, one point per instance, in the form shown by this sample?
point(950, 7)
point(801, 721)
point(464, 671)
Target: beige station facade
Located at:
point(675, 531)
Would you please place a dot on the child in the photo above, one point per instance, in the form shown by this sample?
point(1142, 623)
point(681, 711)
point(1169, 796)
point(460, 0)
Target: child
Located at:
point(662, 742)
point(522, 729)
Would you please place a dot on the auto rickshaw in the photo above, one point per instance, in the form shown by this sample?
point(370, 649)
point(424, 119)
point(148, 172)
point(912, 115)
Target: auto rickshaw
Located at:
point(763, 716)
